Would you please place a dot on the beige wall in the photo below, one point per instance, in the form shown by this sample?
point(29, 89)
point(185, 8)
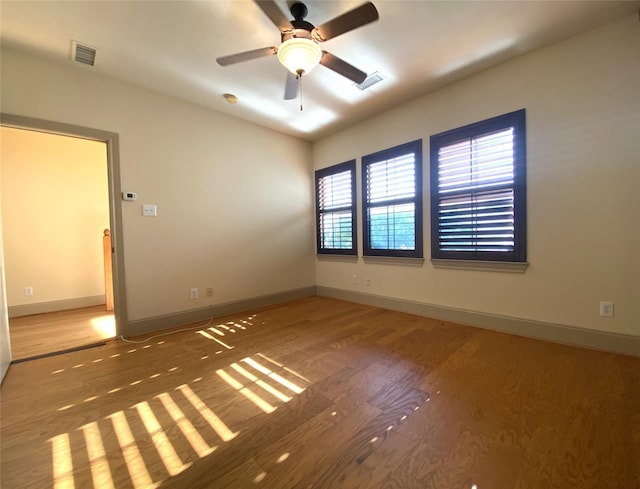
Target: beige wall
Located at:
point(55, 206)
point(234, 199)
point(583, 134)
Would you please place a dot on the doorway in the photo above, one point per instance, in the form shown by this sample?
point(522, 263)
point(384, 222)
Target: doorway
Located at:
point(63, 254)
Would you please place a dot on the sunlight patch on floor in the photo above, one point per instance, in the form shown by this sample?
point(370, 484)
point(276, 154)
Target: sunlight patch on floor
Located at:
point(97, 457)
point(105, 325)
point(147, 421)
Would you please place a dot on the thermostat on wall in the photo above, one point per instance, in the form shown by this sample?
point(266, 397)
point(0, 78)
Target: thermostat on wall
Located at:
point(129, 196)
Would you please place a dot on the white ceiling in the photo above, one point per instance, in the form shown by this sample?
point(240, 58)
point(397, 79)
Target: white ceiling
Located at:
point(171, 46)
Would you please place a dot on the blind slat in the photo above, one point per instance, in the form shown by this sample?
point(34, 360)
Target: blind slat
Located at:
point(391, 179)
point(335, 191)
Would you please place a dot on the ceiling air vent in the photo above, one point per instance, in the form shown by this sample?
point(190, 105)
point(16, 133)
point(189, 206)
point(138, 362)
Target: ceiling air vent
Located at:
point(371, 80)
point(81, 53)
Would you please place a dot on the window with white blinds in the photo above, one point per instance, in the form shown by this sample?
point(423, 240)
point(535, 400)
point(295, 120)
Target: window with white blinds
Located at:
point(392, 201)
point(335, 209)
point(478, 191)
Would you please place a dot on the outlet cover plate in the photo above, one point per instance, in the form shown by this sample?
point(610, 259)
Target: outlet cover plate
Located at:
point(606, 309)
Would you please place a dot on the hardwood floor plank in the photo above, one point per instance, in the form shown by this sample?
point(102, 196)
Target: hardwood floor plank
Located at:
point(384, 459)
point(303, 463)
point(248, 474)
point(401, 377)
point(399, 480)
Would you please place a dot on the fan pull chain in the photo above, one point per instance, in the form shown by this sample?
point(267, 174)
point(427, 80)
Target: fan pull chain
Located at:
point(299, 77)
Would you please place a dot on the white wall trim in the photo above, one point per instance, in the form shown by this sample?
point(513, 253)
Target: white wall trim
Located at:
point(483, 266)
point(557, 333)
point(53, 306)
point(394, 260)
point(337, 258)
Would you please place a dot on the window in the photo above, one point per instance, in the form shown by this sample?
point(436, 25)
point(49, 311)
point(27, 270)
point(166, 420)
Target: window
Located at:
point(392, 201)
point(335, 209)
point(478, 201)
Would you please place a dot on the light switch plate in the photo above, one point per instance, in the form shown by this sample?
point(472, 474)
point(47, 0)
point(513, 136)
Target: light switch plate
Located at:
point(149, 210)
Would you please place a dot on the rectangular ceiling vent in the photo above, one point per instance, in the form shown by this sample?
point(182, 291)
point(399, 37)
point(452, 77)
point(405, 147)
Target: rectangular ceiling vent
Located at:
point(81, 53)
point(371, 80)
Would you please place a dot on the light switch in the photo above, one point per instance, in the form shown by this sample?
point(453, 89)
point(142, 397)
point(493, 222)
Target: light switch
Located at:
point(149, 210)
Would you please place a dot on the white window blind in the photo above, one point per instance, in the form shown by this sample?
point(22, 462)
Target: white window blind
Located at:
point(478, 191)
point(391, 202)
point(391, 179)
point(334, 206)
point(392, 225)
point(475, 184)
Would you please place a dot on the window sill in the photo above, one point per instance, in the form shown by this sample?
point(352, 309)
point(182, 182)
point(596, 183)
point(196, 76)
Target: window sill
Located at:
point(336, 257)
point(394, 260)
point(484, 266)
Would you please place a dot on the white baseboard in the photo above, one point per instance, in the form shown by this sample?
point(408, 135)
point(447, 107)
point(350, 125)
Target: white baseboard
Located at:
point(557, 333)
point(53, 306)
point(158, 323)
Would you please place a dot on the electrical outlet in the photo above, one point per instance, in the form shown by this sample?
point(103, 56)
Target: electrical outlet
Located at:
point(367, 281)
point(606, 309)
point(209, 291)
point(28, 291)
point(194, 294)
point(354, 279)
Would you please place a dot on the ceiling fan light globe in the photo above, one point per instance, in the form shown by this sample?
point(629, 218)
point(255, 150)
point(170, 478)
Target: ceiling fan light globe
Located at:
point(299, 55)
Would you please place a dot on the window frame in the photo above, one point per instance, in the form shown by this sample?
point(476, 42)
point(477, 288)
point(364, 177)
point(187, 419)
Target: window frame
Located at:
point(517, 121)
point(414, 147)
point(349, 166)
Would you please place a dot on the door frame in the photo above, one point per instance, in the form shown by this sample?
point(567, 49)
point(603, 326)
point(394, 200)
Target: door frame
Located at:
point(115, 203)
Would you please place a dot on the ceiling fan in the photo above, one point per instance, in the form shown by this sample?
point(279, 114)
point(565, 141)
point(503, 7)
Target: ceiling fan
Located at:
point(299, 51)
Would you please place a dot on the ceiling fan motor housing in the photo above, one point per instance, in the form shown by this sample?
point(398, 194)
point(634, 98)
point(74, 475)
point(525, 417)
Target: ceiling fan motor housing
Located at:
point(299, 10)
point(301, 28)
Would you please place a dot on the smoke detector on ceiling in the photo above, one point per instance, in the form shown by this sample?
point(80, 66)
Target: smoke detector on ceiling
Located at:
point(83, 53)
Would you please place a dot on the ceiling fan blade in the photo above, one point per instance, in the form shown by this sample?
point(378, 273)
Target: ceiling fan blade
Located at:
point(274, 13)
point(346, 22)
point(246, 56)
point(291, 86)
point(342, 67)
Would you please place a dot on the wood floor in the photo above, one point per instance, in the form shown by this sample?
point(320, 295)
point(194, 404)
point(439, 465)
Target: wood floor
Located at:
point(323, 393)
point(40, 334)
